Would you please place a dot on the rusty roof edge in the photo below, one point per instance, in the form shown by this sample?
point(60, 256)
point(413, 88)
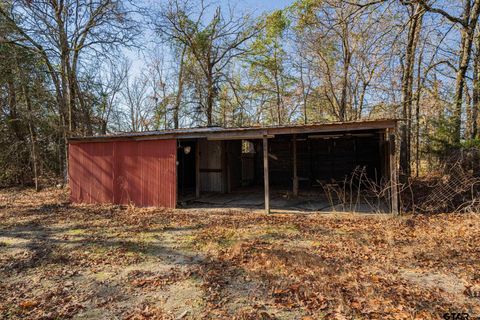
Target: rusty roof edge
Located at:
point(205, 132)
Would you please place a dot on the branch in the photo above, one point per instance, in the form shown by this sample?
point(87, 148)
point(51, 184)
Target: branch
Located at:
point(426, 6)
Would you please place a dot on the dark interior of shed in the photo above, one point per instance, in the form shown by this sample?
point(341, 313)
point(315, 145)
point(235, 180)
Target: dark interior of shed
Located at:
point(186, 168)
point(321, 159)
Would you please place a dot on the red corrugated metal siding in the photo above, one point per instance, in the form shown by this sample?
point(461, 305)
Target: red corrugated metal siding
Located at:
point(124, 172)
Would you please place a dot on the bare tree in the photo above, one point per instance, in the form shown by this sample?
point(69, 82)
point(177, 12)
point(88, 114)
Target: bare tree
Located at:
point(65, 31)
point(136, 99)
point(212, 44)
point(468, 22)
point(414, 26)
point(343, 47)
point(112, 83)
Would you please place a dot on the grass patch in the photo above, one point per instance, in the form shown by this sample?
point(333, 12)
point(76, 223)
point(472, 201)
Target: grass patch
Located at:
point(76, 232)
point(215, 239)
point(280, 232)
point(102, 276)
point(147, 237)
point(6, 241)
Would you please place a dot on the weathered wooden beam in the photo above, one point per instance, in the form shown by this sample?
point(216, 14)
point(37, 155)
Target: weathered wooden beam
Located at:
point(233, 136)
point(382, 155)
point(393, 171)
point(197, 169)
point(226, 166)
point(265, 175)
point(295, 175)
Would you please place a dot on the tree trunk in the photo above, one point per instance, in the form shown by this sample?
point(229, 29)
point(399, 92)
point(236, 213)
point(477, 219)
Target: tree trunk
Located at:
point(418, 96)
point(13, 120)
point(304, 93)
point(468, 32)
point(476, 89)
point(459, 87)
point(347, 58)
point(178, 98)
point(33, 138)
point(361, 101)
point(343, 99)
point(210, 97)
point(88, 128)
point(468, 111)
point(278, 98)
point(66, 83)
point(415, 26)
point(71, 92)
point(31, 127)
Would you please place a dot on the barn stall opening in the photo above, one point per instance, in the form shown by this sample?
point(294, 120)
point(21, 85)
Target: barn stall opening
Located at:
point(282, 167)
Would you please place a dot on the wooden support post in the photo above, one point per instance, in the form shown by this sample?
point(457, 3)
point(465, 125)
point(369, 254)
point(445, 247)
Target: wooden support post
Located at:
point(295, 176)
point(197, 169)
point(382, 154)
point(393, 171)
point(226, 162)
point(265, 175)
point(223, 165)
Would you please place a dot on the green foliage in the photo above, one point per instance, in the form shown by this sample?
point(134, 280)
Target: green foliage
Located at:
point(267, 64)
point(184, 21)
point(441, 138)
point(471, 143)
point(275, 24)
point(273, 28)
point(305, 10)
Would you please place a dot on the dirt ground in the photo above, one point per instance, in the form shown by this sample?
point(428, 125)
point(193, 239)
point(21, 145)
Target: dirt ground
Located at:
point(59, 260)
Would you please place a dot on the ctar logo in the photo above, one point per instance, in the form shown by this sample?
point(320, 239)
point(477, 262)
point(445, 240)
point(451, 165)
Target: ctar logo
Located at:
point(459, 316)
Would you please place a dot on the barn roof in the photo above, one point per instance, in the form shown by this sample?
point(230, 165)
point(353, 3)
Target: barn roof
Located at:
point(221, 133)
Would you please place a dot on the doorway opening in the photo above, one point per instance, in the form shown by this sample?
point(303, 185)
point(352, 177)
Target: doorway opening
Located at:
point(306, 171)
point(186, 182)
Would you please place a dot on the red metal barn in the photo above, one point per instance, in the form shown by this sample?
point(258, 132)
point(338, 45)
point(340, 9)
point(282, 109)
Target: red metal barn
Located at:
point(224, 167)
point(123, 172)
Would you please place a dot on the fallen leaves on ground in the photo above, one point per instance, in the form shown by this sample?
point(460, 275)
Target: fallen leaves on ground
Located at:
point(59, 260)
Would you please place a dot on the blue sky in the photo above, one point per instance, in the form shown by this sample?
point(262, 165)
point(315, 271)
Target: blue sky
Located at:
point(260, 5)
